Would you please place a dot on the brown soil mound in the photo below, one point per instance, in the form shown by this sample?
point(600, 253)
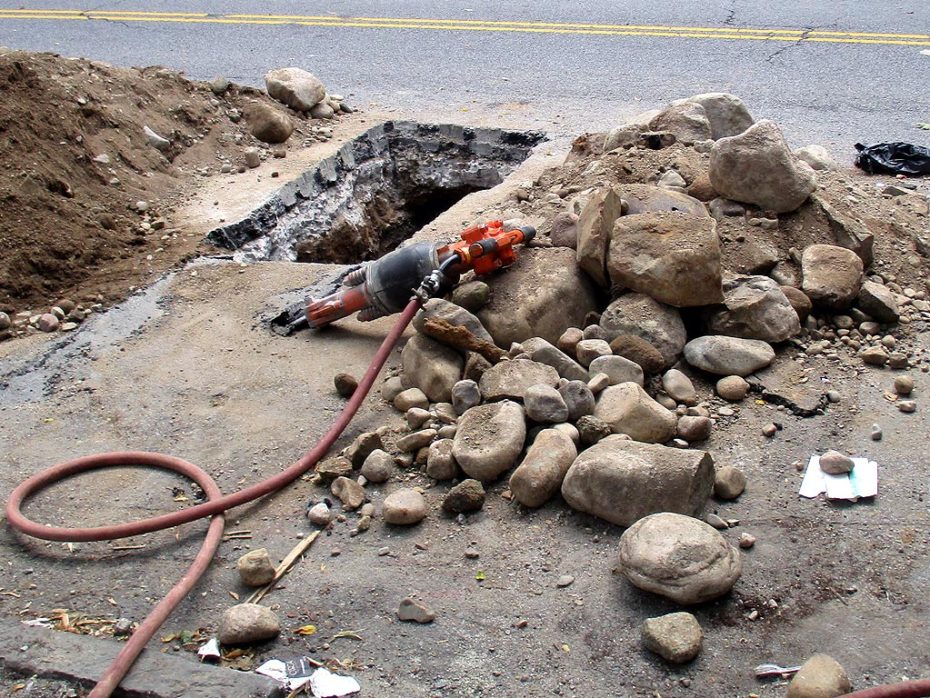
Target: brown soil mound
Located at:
point(75, 160)
point(899, 222)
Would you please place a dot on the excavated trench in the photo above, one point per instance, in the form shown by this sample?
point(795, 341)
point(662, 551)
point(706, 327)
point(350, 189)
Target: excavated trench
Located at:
point(375, 192)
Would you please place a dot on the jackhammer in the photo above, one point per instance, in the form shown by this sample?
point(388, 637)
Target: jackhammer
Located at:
point(383, 287)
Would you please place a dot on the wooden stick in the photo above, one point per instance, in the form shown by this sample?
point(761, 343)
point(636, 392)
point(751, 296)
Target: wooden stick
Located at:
point(284, 567)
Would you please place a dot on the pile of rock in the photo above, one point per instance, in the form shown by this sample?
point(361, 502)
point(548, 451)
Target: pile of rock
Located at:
point(64, 316)
point(300, 91)
point(304, 92)
point(575, 372)
point(569, 417)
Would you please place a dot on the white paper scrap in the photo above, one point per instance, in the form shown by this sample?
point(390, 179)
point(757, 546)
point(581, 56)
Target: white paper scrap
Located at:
point(861, 481)
point(209, 650)
point(326, 684)
point(39, 623)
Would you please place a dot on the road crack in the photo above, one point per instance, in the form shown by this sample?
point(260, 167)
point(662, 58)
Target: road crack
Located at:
point(787, 47)
point(730, 19)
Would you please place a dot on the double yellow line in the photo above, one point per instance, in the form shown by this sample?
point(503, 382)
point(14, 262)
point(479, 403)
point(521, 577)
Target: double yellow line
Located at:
point(678, 32)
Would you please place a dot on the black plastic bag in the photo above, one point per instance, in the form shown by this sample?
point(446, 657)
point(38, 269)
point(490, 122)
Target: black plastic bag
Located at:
point(894, 158)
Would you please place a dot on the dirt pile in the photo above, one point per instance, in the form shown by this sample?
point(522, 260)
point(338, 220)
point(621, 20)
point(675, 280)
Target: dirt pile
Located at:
point(86, 197)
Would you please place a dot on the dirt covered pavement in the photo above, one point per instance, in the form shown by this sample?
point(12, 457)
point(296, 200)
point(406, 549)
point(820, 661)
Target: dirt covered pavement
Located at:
point(846, 579)
point(527, 601)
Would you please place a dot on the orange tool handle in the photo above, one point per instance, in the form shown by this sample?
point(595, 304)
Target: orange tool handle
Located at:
point(486, 248)
point(338, 305)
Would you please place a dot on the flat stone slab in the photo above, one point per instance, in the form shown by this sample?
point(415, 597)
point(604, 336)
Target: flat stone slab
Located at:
point(781, 384)
point(52, 654)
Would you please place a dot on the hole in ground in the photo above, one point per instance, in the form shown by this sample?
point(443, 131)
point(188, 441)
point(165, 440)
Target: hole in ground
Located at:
point(375, 192)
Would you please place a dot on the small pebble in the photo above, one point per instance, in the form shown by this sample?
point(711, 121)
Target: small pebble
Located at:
point(345, 384)
point(769, 430)
point(907, 406)
point(564, 581)
point(48, 323)
point(903, 385)
point(876, 433)
point(413, 612)
point(746, 540)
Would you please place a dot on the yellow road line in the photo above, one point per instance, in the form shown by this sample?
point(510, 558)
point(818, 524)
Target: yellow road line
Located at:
point(666, 31)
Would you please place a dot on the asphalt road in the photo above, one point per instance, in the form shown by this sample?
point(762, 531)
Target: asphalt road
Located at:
point(829, 72)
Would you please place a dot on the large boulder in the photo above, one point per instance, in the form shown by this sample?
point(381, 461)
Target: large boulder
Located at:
point(538, 349)
point(622, 481)
point(594, 229)
point(267, 124)
point(678, 557)
point(432, 367)
point(878, 301)
point(540, 475)
point(817, 157)
point(638, 315)
point(578, 398)
point(757, 167)
point(755, 307)
point(687, 120)
point(639, 351)
point(563, 231)
point(624, 136)
point(451, 313)
point(545, 405)
point(629, 410)
point(726, 113)
point(511, 379)
point(617, 369)
point(295, 87)
point(541, 296)
point(831, 276)
point(672, 257)
point(489, 439)
point(404, 507)
point(648, 198)
point(846, 224)
point(728, 356)
point(799, 301)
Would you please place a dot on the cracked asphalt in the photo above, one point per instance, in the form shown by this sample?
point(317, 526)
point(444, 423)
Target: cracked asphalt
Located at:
point(493, 62)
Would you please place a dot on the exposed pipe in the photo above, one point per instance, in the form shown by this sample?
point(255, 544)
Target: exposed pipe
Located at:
point(215, 505)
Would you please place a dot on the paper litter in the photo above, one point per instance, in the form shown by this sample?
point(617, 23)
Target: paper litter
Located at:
point(861, 481)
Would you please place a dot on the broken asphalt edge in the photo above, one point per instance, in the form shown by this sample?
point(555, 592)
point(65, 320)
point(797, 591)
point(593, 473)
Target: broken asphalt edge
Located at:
point(53, 654)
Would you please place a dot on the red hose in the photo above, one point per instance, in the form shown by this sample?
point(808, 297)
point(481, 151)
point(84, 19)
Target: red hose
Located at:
point(214, 506)
point(904, 689)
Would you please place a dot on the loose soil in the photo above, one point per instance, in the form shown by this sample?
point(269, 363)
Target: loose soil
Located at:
point(76, 161)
